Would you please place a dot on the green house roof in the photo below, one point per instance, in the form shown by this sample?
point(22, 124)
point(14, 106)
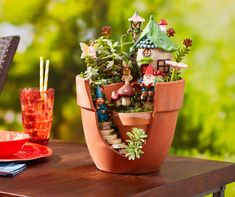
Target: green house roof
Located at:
point(156, 37)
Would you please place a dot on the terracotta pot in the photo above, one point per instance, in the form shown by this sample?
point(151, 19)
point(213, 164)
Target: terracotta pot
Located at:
point(168, 100)
point(125, 122)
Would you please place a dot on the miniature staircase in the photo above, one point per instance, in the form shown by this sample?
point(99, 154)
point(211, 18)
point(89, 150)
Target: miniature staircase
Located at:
point(111, 137)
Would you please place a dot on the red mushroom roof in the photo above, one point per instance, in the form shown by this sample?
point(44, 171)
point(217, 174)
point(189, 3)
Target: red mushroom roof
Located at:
point(163, 22)
point(126, 90)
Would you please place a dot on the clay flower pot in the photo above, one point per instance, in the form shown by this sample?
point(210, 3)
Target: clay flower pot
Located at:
point(168, 100)
point(125, 122)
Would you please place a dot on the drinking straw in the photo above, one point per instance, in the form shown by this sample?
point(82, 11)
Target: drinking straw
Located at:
point(41, 74)
point(46, 75)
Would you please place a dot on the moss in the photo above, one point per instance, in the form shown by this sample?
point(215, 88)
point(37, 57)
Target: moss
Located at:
point(138, 107)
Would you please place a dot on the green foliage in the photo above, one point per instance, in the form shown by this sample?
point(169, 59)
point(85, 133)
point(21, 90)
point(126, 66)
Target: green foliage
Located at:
point(136, 105)
point(135, 144)
point(173, 76)
point(181, 53)
point(135, 70)
point(107, 66)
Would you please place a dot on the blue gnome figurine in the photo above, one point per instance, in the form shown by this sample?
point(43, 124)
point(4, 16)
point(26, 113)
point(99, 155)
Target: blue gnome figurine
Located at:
point(101, 107)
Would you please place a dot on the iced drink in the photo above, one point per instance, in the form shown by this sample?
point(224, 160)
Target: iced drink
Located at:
point(37, 113)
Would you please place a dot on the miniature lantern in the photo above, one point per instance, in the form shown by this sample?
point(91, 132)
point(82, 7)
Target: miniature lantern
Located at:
point(135, 21)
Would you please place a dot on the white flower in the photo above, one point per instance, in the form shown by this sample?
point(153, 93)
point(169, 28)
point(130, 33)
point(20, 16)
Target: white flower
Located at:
point(90, 73)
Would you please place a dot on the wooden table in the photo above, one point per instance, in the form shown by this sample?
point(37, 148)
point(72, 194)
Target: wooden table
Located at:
point(71, 172)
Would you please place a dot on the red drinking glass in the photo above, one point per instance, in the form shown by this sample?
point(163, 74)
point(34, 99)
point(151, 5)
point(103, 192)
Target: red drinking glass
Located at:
point(37, 113)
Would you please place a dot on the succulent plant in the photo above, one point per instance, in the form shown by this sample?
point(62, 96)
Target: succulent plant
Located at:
point(135, 144)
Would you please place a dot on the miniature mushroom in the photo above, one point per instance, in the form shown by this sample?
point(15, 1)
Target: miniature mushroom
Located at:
point(176, 65)
point(126, 92)
point(115, 98)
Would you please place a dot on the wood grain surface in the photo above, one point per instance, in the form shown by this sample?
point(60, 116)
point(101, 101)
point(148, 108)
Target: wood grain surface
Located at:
point(71, 172)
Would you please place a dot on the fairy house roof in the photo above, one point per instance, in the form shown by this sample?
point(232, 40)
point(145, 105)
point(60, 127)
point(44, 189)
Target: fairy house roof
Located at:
point(153, 37)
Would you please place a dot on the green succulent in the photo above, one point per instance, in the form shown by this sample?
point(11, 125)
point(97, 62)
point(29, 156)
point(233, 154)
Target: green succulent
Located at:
point(135, 143)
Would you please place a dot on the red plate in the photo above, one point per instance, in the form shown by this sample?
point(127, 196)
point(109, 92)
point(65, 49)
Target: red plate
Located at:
point(28, 152)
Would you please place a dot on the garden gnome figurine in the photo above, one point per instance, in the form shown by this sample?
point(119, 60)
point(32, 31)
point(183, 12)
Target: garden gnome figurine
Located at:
point(101, 107)
point(147, 84)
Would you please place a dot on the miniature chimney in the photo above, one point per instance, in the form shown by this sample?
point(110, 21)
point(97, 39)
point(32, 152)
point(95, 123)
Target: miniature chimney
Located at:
point(163, 23)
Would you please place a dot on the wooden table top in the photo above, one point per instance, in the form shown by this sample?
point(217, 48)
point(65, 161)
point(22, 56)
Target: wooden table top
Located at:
point(71, 172)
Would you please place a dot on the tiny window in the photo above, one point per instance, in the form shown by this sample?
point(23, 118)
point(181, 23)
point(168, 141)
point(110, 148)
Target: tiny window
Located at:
point(161, 65)
point(146, 52)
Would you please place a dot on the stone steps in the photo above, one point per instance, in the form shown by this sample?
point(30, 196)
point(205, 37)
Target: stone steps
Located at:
point(111, 137)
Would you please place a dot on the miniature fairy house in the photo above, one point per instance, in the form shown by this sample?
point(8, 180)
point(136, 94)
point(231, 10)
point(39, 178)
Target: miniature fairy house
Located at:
point(155, 44)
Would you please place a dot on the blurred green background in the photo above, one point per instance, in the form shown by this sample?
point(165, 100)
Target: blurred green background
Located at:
point(54, 28)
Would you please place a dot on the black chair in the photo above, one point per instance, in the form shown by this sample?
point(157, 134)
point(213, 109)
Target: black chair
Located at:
point(8, 46)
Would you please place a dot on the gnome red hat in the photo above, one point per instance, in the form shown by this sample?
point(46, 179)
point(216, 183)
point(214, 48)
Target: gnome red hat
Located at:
point(149, 70)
